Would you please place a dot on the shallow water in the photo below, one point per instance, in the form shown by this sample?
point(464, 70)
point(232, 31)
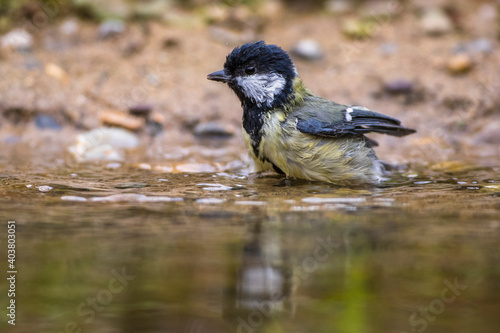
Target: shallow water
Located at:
point(132, 250)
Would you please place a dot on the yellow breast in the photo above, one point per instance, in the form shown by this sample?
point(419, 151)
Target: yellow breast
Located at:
point(304, 156)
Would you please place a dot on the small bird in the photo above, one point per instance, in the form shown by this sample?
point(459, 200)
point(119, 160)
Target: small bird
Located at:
point(290, 130)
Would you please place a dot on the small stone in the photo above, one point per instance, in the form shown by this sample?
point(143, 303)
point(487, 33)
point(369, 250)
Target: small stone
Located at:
point(161, 199)
point(459, 64)
point(213, 129)
point(158, 117)
point(73, 198)
point(56, 72)
point(163, 168)
point(44, 188)
point(170, 42)
point(103, 144)
point(481, 45)
point(144, 166)
point(400, 86)
point(490, 134)
point(436, 22)
point(140, 110)
point(69, 27)
point(215, 187)
point(18, 39)
point(115, 118)
point(308, 49)
point(110, 28)
point(47, 122)
point(122, 197)
point(113, 165)
point(210, 201)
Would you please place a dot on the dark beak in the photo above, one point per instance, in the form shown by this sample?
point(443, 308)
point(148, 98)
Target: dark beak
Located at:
point(220, 76)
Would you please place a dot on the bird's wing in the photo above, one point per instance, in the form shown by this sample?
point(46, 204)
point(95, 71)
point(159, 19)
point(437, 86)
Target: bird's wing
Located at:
point(328, 119)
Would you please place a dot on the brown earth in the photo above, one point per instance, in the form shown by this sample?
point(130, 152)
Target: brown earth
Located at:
point(74, 78)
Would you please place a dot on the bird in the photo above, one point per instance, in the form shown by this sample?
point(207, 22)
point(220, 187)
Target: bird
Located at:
point(289, 130)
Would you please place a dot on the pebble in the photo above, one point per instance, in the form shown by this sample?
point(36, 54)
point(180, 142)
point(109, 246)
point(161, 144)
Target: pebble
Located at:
point(73, 198)
point(47, 122)
point(163, 168)
point(490, 134)
point(12, 139)
point(18, 39)
point(115, 118)
point(481, 45)
point(113, 165)
point(170, 42)
point(215, 187)
point(308, 49)
point(459, 64)
point(400, 86)
point(45, 188)
point(103, 144)
point(110, 28)
point(69, 27)
point(140, 110)
point(213, 129)
point(144, 166)
point(56, 72)
point(436, 22)
point(210, 201)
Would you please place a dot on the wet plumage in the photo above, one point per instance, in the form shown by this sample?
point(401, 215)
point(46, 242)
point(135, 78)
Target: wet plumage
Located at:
point(291, 131)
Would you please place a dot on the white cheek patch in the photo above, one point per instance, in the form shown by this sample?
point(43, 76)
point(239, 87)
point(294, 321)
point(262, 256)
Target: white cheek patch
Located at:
point(262, 88)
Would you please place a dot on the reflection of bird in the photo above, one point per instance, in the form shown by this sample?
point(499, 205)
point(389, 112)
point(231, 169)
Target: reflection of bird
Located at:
point(292, 131)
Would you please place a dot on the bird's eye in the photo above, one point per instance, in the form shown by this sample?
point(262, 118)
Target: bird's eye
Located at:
point(250, 70)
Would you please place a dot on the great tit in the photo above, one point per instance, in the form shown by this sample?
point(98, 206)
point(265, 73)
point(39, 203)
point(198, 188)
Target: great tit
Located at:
point(293, 132)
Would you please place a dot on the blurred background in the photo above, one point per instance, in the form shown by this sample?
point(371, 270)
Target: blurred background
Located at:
point(70, 66)
point(125, 172)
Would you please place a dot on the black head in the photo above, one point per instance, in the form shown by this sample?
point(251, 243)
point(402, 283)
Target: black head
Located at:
point(261, 75)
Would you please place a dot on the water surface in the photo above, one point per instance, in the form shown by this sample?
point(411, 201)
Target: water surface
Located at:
point(130, 250)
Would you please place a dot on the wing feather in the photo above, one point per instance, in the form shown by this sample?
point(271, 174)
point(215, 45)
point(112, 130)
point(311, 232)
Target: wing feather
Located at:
point(342, 120)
